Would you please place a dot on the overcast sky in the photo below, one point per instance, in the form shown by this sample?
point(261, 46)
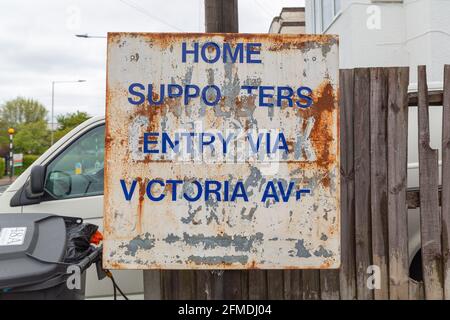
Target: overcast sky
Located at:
point(38, 46)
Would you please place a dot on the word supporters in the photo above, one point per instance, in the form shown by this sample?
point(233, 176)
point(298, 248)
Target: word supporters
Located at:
point(211, 95)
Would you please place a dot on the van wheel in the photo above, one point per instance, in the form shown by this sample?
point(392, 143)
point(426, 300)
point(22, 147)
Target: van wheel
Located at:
point(415, 269)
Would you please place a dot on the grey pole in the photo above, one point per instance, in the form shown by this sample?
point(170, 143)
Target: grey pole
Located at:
point(53, 107)
point(221, 16)
point(53, 104)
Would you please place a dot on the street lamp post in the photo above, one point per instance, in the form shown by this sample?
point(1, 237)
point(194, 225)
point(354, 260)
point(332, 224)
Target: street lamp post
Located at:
point(53, 103)
point(85, 35)
point(11, 132)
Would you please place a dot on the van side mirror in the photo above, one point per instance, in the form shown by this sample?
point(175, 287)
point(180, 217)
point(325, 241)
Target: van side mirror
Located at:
point(35, 187)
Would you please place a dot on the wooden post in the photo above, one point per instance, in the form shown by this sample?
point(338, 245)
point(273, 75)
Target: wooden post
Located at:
point(429, 202)
point(446, 182)
point(221, 16)
point(397, 131)
point(329, 285)
point(152, 285)
point(311, 284)
point(347, 272)
point(257, 284)
point(362, 182)
point(378, 176)
point(293, 285)
point(275, 284)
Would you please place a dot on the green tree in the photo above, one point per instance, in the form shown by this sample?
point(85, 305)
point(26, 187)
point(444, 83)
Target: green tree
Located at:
point(4, 137)
point(69, 121)
point(32, 138)
point(20, 110)
point(19, 113)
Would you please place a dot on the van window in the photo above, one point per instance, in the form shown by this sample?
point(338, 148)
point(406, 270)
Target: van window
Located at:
point(78, 170)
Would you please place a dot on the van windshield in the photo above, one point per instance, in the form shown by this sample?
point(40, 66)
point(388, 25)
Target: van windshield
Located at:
point(78, 170)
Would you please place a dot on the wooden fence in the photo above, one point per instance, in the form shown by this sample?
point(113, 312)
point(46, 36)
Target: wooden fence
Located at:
point(374, 206)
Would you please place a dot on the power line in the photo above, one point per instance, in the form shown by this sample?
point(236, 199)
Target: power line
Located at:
point(263, 9)
point(199, 15)
point(148, 14)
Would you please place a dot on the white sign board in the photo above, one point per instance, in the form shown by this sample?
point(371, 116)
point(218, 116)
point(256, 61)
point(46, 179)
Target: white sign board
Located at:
point(222, 152)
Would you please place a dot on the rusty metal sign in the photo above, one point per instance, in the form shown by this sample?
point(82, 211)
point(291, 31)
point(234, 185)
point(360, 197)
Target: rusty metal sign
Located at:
point(222, 152)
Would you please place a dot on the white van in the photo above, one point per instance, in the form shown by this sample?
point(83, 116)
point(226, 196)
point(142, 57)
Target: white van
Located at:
point(73, 186)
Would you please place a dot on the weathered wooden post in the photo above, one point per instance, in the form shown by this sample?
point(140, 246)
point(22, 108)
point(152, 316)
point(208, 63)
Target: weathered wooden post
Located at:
point(220, 16)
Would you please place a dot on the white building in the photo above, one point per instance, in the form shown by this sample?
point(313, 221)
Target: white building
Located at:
point(290, 20)
point(384, 33)
point(376, 33)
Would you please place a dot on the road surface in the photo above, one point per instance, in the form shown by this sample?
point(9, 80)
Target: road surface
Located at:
point(3, 188)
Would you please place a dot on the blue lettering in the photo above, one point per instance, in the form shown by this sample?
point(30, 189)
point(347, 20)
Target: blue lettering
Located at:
point(268, 142)
point(253, 49)
point(174, 184)
point(281, 145)
point(305, 100)
point(287, 96)
point(238, 52)
point(140, 95)
point(128, 194)
point(285, 195)
point(185, 52)
point(226, 141)
point(299, 193)
point(165, 140)
point(226, 187)
point(212, 187)
point(149, 190)
point(148, 142)
point(255, 149)
point(216, 51)
point(189, 141)
point(204, 143)
point(189, 94)
point(239, 191)
point(152, 96)
point(270, 192)
point(197, 196)
point(218, 95)
point(263, 95)
point(170, 89)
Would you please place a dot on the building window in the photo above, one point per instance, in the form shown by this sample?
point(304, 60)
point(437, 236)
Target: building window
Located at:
point(337, 6)
point(327, 12)
point(324, 13)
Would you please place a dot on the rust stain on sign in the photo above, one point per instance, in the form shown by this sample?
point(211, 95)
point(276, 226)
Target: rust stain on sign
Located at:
point(222, 152)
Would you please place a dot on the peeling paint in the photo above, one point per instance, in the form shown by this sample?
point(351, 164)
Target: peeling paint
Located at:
point(297, 230)
point(171, 238)
point(240, 243)
point(218, 260)
point(322, 252)
point(301, 249)
point(144, 243)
